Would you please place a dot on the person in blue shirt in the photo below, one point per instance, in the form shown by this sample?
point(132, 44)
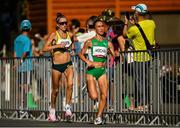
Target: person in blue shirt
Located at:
point(22, 43)
point(23, 49)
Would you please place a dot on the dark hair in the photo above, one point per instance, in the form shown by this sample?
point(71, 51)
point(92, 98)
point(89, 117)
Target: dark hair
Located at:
point(148, 15)
point(59, 16)
point(118, 27)
point(75, 23)
point(42, 31)
point(82, 30)
point(90, 21)
point(98, 19)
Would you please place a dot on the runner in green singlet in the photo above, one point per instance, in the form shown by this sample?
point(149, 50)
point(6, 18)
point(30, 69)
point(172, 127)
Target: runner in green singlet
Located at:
point(100, 47)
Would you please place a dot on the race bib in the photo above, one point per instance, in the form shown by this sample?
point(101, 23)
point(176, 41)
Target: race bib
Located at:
point(99, 51)
point(66, 41)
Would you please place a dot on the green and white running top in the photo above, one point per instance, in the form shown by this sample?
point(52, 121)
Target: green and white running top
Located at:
point(98, 50)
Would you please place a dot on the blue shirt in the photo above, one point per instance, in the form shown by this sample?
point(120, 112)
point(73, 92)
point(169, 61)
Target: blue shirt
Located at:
point(22, 44)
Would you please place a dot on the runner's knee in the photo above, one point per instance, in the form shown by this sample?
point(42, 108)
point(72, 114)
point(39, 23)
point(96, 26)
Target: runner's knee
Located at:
point(69, 86)
point(103, 96)
point(94, 96)
point(55, 91)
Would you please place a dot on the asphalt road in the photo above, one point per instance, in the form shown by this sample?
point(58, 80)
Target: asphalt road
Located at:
point(34, 123)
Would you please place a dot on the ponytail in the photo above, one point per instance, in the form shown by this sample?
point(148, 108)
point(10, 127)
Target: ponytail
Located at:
point(59, 16)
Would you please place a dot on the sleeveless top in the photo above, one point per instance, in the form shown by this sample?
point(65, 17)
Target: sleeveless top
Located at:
point(99, 50)
point(60, 40)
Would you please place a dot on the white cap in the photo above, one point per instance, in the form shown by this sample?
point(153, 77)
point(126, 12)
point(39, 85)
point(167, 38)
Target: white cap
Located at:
point(142, 8)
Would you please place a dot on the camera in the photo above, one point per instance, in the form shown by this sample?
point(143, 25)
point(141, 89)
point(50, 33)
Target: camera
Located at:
point(127, 15)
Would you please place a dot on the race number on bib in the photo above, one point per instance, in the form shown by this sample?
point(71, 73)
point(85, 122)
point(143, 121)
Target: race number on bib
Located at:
point(99, 51)
point(66, 41)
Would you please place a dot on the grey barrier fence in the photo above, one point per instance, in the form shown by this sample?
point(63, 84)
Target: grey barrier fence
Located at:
point(146, 92)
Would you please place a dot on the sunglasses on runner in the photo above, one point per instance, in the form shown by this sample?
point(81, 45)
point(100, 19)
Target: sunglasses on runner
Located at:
point(62, 23)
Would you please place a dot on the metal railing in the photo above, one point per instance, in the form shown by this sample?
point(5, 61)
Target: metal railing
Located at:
point(146, 92)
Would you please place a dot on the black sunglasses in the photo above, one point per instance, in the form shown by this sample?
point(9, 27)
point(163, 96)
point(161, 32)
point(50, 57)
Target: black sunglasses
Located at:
point(62, 23)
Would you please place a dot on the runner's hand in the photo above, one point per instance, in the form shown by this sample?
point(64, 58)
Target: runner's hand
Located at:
point(62, 45)
point(90, 64)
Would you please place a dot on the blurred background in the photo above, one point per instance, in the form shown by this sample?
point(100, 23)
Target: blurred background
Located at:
point(42, 14)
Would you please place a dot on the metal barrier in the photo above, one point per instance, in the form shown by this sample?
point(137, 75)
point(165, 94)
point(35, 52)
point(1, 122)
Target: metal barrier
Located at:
point(139, 92)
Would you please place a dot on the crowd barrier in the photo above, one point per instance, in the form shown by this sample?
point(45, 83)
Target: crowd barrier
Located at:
point(155, 85)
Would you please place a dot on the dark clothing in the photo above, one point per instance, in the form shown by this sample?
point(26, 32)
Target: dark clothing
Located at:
point(141, 83)
point(61, 67)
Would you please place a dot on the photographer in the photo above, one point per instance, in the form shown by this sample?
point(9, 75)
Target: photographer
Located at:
point(141, 59)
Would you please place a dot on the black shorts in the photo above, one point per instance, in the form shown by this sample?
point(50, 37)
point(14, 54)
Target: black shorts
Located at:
point(61, 67)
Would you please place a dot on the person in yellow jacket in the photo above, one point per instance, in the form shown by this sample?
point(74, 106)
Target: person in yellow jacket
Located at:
point(141, 59)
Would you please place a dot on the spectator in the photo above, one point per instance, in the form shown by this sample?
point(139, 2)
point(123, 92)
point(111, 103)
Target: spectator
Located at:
point(90, 23)
point(118, 41)
point(75, 30)
point(140, 58)
point(90, 32)
point(108, 16)
point(23, 49)
point(35, 50)
point(42, 37)
point(122, 44)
